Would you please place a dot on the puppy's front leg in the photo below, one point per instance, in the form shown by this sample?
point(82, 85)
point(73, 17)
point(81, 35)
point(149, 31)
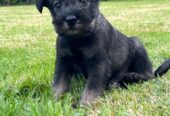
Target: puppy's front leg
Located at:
point(62, 77)
point(96, 83)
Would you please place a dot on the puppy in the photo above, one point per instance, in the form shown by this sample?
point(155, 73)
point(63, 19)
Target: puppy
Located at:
point(88, 44)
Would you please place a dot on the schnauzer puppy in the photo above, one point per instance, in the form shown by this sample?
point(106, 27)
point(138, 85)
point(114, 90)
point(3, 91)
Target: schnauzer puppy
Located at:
point(88, 44)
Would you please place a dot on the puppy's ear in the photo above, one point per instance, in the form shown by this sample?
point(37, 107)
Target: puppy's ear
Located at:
point(40, 4)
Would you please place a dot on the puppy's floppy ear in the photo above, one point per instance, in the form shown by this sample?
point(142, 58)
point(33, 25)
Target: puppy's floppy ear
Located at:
point(40, 4)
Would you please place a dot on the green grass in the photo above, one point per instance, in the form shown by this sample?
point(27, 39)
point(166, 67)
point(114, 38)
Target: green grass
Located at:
point(27, 56)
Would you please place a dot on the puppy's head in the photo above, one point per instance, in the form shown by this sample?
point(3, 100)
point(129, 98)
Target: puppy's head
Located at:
point(72, 18)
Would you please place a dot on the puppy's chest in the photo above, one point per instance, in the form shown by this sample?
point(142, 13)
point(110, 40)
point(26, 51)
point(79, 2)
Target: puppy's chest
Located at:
point(82, 54)
point(80, 59)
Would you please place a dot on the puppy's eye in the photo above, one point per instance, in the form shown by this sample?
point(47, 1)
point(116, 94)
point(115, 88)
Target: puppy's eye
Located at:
point(83, 1)
point(57, 4)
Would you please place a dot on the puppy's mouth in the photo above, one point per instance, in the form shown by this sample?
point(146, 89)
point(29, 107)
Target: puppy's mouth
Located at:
point(78, 30)
point(75, 31)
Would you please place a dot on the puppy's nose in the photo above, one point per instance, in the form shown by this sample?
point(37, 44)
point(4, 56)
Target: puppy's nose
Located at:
point(71, 20)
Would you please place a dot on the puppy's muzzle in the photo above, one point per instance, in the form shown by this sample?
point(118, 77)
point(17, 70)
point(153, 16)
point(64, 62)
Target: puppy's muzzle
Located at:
point(71, 20)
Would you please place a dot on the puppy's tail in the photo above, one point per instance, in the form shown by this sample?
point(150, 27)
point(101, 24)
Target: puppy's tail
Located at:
point(162, 69)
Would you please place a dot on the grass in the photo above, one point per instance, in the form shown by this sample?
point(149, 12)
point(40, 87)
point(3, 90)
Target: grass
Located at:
point(27, 56)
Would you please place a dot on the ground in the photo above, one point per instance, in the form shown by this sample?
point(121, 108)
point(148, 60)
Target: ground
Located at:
point(27, 56)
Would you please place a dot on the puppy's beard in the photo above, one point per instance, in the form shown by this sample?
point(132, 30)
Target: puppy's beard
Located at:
point(79, 30)
point(73, 32)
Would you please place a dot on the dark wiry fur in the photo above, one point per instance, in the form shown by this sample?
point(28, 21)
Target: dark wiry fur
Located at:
point(96, 49)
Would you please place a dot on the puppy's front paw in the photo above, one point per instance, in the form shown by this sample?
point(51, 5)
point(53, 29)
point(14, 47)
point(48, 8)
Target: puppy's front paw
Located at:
point(89, 97)
point(58, 92)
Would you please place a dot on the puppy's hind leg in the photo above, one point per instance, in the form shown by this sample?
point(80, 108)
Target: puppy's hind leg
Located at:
point(140, 68)
point(131, 78)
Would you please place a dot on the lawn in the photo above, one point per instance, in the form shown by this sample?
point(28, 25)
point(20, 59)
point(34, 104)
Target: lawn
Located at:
point(27, 56)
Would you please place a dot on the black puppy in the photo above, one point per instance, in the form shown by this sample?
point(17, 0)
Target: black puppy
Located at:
point(88, 44)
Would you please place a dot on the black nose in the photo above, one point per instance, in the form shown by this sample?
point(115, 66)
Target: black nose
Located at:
point(71, 20)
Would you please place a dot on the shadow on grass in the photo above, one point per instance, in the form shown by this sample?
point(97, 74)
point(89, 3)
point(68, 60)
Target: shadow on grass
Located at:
point(38, 90)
